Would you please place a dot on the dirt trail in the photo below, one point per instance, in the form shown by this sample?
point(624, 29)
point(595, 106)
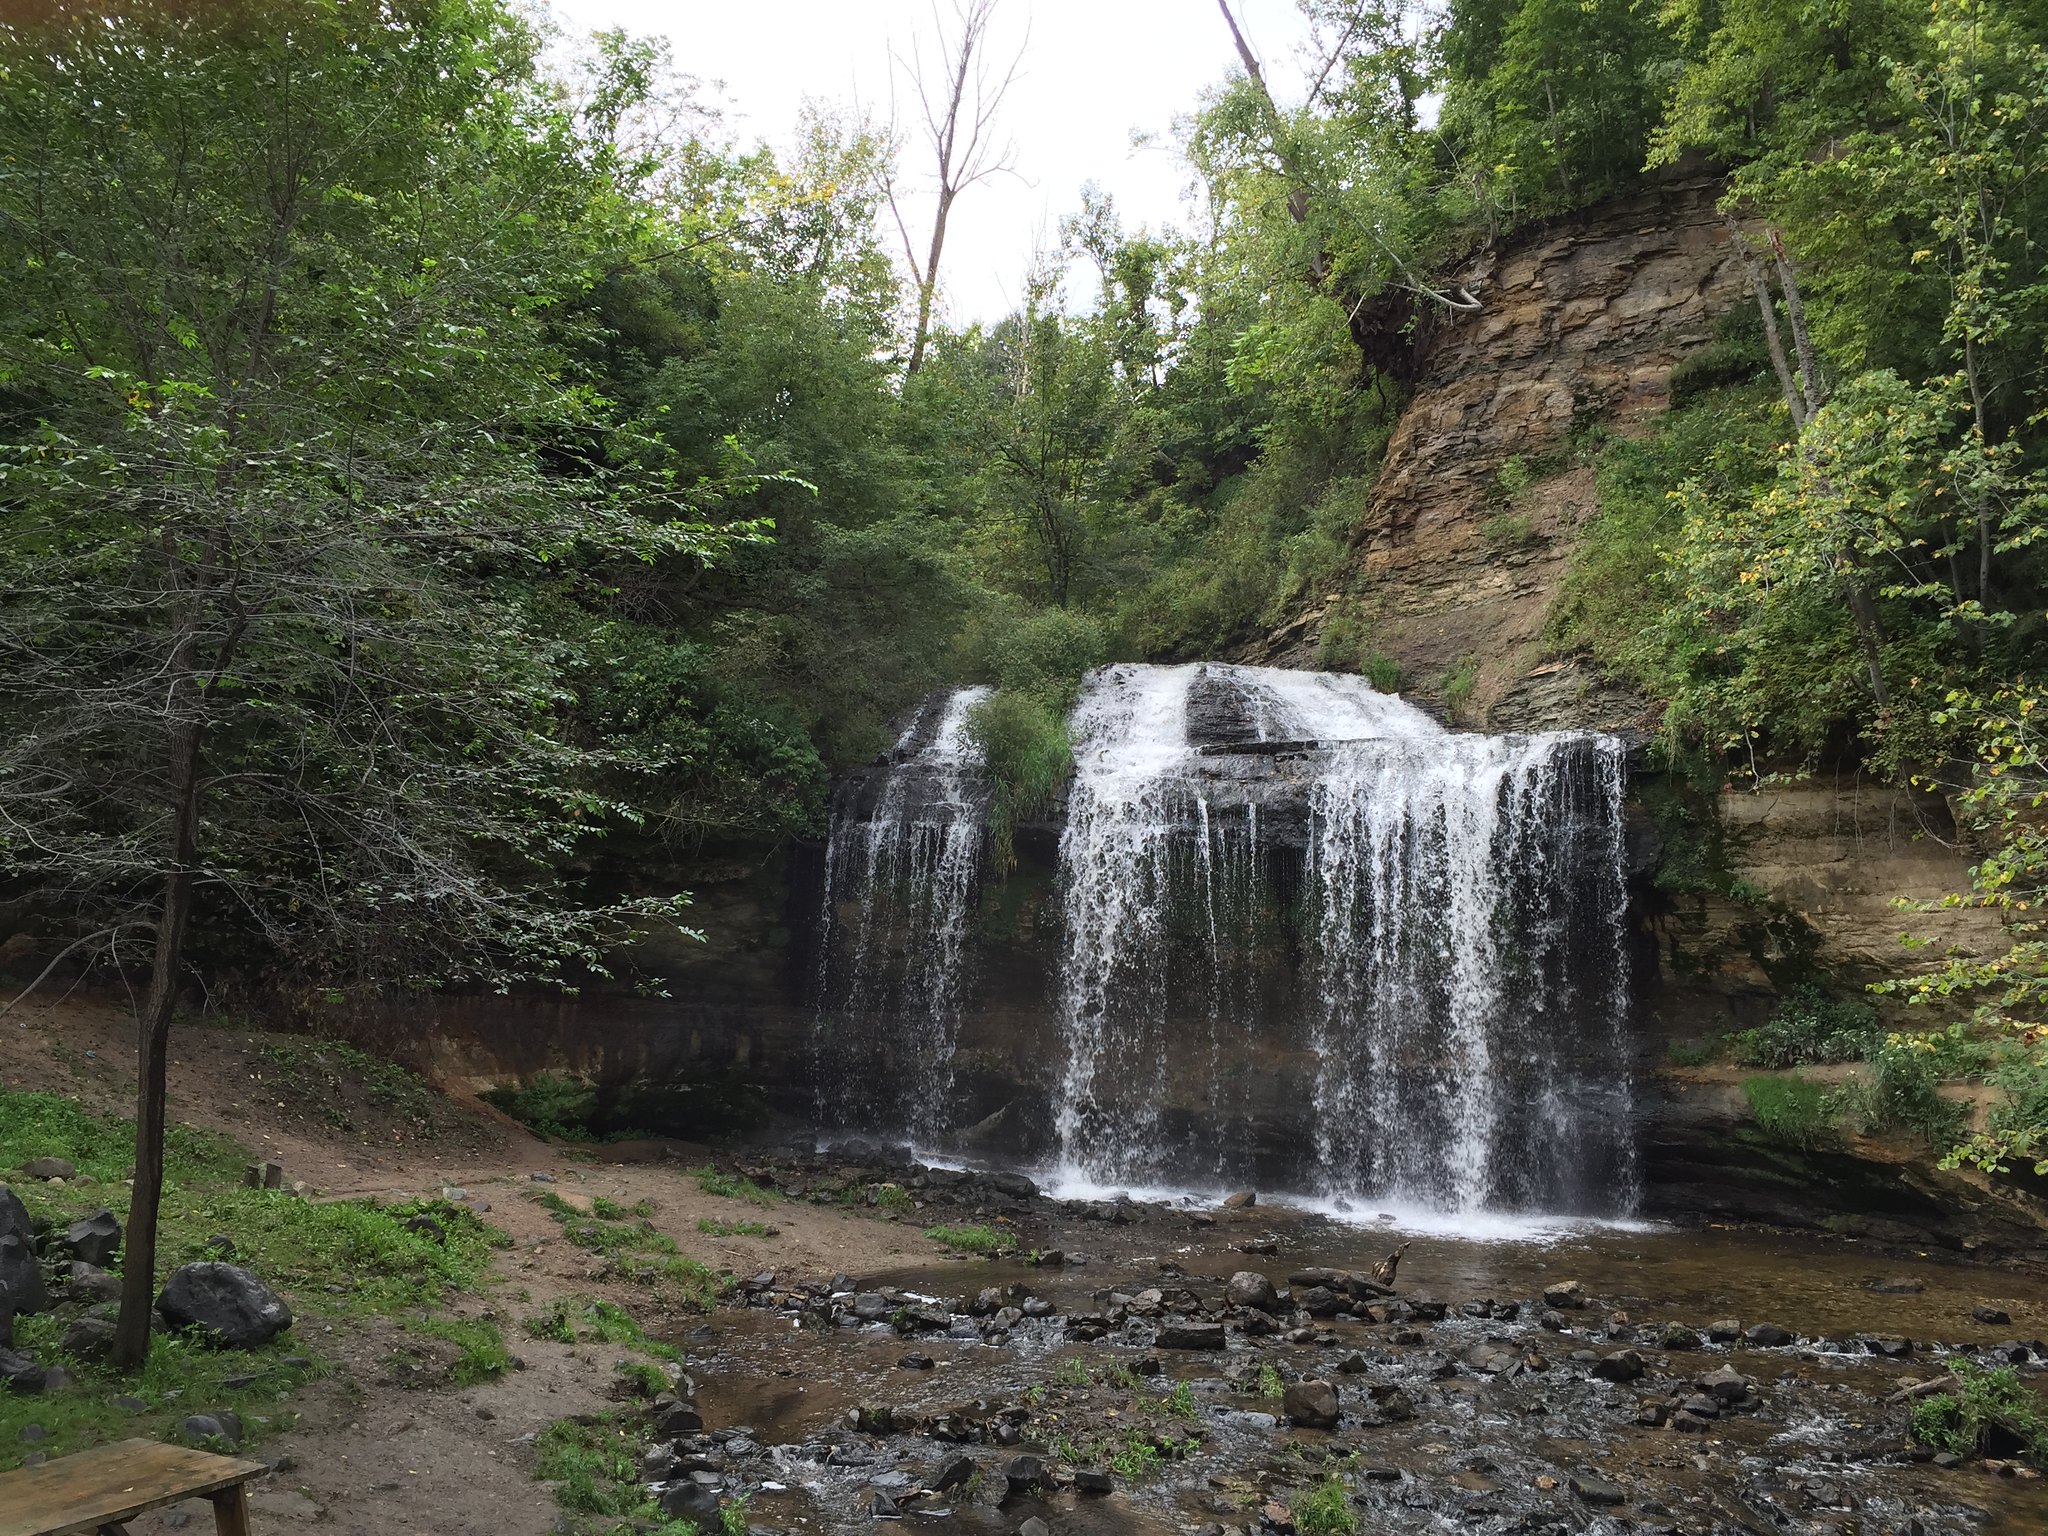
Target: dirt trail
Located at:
point(373, 1452)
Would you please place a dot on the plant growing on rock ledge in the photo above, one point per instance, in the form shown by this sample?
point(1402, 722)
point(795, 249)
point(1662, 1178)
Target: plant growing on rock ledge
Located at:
point(2003, 806)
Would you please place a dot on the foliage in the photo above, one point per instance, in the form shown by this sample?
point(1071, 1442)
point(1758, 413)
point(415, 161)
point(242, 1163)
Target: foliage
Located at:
point(1809, 1026)
point(986, 1241)
point(1027, 756)
point(1791, 1109)
point(1325, 1510)
point(1901, 1090)
point(1987, 1403)
point(734, 1186)
point(2001, 807)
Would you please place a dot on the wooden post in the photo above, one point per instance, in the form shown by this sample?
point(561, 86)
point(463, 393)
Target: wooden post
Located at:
point(231, 1511)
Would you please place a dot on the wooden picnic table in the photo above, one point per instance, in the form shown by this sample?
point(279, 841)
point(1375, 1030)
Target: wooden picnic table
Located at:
point(96, 1490)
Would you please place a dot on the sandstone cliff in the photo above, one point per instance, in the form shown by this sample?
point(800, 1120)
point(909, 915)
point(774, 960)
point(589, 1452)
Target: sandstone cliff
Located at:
point(1583, 320)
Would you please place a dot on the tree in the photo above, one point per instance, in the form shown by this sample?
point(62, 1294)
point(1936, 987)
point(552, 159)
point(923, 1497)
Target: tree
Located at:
point(958, 113)
point(283, 466)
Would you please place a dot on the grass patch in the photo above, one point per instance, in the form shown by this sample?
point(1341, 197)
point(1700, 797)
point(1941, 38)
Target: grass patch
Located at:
point(1325, 1510)
point(596, 1322)
point(1508, 531)
point(483, 1355)
point(637, 1250)
point(1269, 1385)
point(1990, 1411)
point(643, 1379)
point(986, 1241)
point(322, 1072)
point(1791, 1109)
point(595, 1470)
point(734, 1186)
point(181, 1377)
point(1180, 1402)
point(711, 1227)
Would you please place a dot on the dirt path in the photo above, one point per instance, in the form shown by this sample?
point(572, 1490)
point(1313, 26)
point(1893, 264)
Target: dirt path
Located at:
point(373, 1451)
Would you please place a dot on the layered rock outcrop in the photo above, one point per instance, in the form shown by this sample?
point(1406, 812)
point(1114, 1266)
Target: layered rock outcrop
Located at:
point(1582, 321)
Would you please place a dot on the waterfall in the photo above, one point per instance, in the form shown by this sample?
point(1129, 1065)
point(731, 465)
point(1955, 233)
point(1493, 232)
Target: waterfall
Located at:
point(901, 868)
point(1454, 913)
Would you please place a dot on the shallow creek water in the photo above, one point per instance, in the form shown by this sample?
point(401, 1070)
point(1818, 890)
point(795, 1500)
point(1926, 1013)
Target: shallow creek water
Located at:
point(1819, 1449)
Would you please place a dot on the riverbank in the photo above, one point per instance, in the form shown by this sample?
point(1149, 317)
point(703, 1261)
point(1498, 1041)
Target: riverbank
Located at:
point(811, 1342)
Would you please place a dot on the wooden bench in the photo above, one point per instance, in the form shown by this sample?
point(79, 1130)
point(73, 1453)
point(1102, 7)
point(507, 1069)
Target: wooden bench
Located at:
point(96, 1490)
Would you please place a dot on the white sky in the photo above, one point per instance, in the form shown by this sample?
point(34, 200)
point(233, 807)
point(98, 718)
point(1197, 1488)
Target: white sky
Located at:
point(1094, 71)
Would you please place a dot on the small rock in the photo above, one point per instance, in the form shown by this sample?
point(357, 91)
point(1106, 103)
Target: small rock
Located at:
point(953, 1472)
point(1768, 1335)
point(1191, 1336)
point(21, 1277)
point(1249, 1288)
point(1016, 1185)
point(1565, 1295)
point(49, 1168)
point(1677, 1336)
point(1311, 1404)
point(1240, 1200)
point(916, 1363)
point(128, 1404)
point(1897, 1287)
point(1088, 1480)
point(90, 1284)
point(1996, 1317)
point(1034, 1527)
point(201, 1428)
point(1725, 1385)
point(1596, 1490)
point(542, 1178)
point(31, 1433)
point(1023, 1473)
point(1624, 1365)
point(1726, 1331)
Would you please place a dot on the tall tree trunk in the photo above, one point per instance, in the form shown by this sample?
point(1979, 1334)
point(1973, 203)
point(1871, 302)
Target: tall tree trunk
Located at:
point(153, 1031)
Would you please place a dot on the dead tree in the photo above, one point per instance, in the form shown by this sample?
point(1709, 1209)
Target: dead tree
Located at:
point(959, 117)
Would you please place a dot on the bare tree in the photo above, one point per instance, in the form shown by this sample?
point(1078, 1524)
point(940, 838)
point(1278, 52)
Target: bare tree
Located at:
point(959, 116)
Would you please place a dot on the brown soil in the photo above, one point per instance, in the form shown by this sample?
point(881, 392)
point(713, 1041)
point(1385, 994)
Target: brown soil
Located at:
point(374, 1451)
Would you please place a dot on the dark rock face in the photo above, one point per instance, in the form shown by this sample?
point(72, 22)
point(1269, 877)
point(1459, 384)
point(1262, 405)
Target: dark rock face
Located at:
point(21, 1277)
point(226, 1303)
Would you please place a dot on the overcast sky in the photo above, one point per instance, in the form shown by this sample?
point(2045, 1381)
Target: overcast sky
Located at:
point(1094, 72)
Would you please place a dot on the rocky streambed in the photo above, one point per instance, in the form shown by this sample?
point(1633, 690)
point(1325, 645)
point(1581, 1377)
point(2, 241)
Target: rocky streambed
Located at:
point(1155, 1368)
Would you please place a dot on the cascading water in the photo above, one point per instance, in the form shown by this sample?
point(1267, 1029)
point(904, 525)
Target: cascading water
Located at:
point(1456, 914)
point(901, 867)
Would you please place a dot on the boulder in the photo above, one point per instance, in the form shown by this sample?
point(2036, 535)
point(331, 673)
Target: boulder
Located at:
point(14, 1217)
point(1249, 1288)
point(49, 1168)
point(1017, 1186)
point(21, 1277)
point(1191, 1336)
point(1994, 1316)
point(1725, 1385)
point(1238, 1201)
point(20, 1373)
point(89, 1283)
point(674, 1419)
point(1624, 1365)
point(88, 1339)
point(1564, 1295)
point(1310, 1404)
point(1596, 1490)
point(1768, 1335)
point(1677, 1336)
point(1320, 1301)
point(94, 1239)
point(1090, 1480)
point(688, 1500)
point(953, 1472)
point(230, 1306)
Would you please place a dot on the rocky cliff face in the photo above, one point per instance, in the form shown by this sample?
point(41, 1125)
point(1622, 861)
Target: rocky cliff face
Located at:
point(1583, 321)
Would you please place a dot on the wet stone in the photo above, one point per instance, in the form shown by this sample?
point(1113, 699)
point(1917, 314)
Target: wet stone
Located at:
point(1596, 1490)
point(1768, 1335)
point(1996, 1317)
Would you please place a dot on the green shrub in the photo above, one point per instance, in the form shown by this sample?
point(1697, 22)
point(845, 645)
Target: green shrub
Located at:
point(1325, 1510)
point(1508, 531)
point(1027, 755)
point(1689, 1053)
point(1809, 1027)
point(1459, 685)
point(557, 1107)
point(1901, 1090)
point(1791, 1109)
point(1988, 1404)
